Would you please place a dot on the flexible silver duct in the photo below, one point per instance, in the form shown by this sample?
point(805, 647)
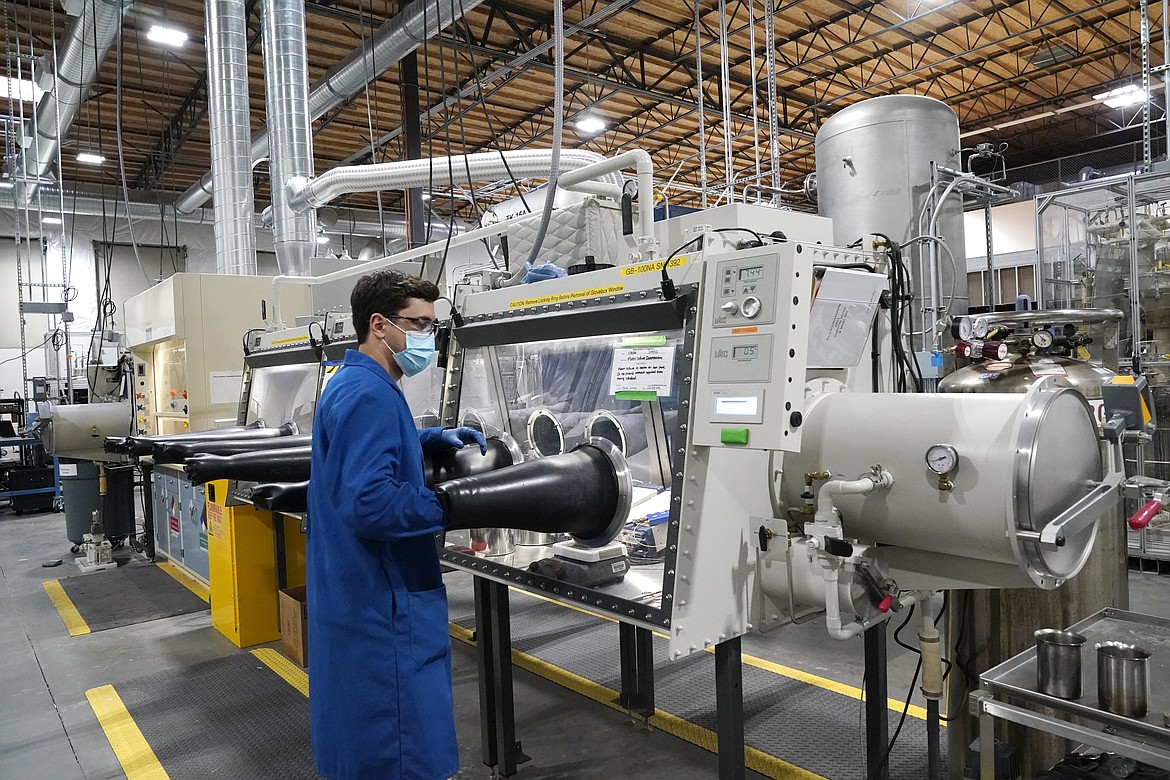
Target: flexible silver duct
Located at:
point(286, 90)
point(230, 120)
point(438, 171)
point(80, 54)
point(389, 44)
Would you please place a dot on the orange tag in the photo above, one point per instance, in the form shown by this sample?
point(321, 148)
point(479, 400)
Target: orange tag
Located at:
point(739, 331)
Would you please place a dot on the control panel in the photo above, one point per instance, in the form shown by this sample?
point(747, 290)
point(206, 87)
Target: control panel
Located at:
point(752, 344)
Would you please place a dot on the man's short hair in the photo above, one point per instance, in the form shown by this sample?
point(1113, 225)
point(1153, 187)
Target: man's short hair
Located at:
point(386, 293)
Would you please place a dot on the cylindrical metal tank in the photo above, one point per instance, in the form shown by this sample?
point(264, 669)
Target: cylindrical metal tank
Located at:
point(79, 430)
point(1021, 373)
point(81, 496)
point(1022, 460)
point(873, 176)
point(996, 625)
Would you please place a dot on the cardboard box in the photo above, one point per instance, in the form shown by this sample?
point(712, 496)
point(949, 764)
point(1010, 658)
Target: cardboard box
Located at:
point(294, 628)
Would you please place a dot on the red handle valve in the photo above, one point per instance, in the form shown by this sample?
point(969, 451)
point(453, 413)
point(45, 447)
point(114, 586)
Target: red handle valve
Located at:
point(886, 604)
point(1143, 516)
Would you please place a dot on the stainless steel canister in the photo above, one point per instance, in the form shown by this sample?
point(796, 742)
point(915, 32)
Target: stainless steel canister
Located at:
point(534, 538)
point(490, 542)
point(1123, 680)
point(1058, 663)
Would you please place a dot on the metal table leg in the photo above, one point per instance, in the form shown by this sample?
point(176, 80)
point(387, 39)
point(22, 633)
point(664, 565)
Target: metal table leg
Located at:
point(500, 749)
point(877, 724)
point(729, 709)
point(986, 744)
point(148, 509)
point(637, 666)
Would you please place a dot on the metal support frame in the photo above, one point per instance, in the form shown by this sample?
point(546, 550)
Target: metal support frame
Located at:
point(637, 661)
point(497, 713)
point(729, 709)
point(877, 723)
point(147, 510)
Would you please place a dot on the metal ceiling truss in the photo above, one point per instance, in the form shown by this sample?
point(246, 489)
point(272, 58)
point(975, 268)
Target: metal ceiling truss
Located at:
point(190, 115)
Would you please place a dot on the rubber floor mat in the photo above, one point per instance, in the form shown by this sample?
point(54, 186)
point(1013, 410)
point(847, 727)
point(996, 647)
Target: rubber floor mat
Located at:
point(231, 717)
point(813, 728)
point(128, 595)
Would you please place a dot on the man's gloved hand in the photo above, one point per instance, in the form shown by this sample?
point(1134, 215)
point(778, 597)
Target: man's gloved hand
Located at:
point(539, 273)
point(455, 438)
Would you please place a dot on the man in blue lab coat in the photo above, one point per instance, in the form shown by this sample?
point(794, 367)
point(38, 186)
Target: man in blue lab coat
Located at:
point(380, 658)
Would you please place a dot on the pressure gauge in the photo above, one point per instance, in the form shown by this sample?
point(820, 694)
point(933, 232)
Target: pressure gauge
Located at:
point(751, 307)
point(1042, 339)
point(965, 329)
point(942, 459)
point(979, 328)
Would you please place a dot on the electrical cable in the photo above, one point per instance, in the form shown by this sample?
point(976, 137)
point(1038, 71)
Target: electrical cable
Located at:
point(481, 100)
point(122, 158)
point(57, 337)
point(558, 127)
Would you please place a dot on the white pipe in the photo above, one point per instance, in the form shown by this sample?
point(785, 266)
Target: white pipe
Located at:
point(827, 512)
point(931, 649)
point(582, 178)
point(833, 604)
point(469, 237)
point(436, 171)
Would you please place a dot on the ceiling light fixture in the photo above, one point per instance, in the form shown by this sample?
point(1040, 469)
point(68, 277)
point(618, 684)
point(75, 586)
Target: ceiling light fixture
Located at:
point(6, 185)
point(590, 124)
point(322, 239)
point(50, 220)
point(1123, 97)
point(167, 36)
point(89, 158)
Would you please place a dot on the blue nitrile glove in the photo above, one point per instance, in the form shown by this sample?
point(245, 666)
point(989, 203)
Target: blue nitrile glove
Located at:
point(455, 438)
point(539, 273)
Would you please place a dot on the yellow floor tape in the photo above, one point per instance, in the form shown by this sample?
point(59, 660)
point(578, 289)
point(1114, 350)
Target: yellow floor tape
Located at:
point(134, 754)
point(72, 619)
point(186, 580)
point(292, 674)
point(757, 760)
point(769, 666)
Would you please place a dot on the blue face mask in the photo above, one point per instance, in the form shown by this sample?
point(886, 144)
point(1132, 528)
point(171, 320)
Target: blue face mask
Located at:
point(420, 349)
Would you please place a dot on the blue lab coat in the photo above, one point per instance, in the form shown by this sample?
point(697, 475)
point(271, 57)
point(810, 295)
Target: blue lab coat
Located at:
point(380, 703)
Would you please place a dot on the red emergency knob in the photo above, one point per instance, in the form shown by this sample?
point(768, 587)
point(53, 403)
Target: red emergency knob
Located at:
point(886, 604)
point(1143, 516)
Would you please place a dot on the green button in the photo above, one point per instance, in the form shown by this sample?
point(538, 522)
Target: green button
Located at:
point(734, 436)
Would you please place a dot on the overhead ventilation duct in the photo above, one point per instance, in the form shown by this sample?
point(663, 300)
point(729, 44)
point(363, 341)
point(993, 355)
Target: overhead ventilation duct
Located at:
point(286, 90)
point(444, 171)
point(230, 119)
point(80, 54)
point(342, 222)
point(386, 47)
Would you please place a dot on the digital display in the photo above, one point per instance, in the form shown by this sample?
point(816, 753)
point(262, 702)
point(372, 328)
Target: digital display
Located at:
point(747, 352)
point(737, 406)
point(751, 274)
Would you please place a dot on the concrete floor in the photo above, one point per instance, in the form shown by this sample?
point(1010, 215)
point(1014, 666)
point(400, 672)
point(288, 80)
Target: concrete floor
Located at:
point(47, 730)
